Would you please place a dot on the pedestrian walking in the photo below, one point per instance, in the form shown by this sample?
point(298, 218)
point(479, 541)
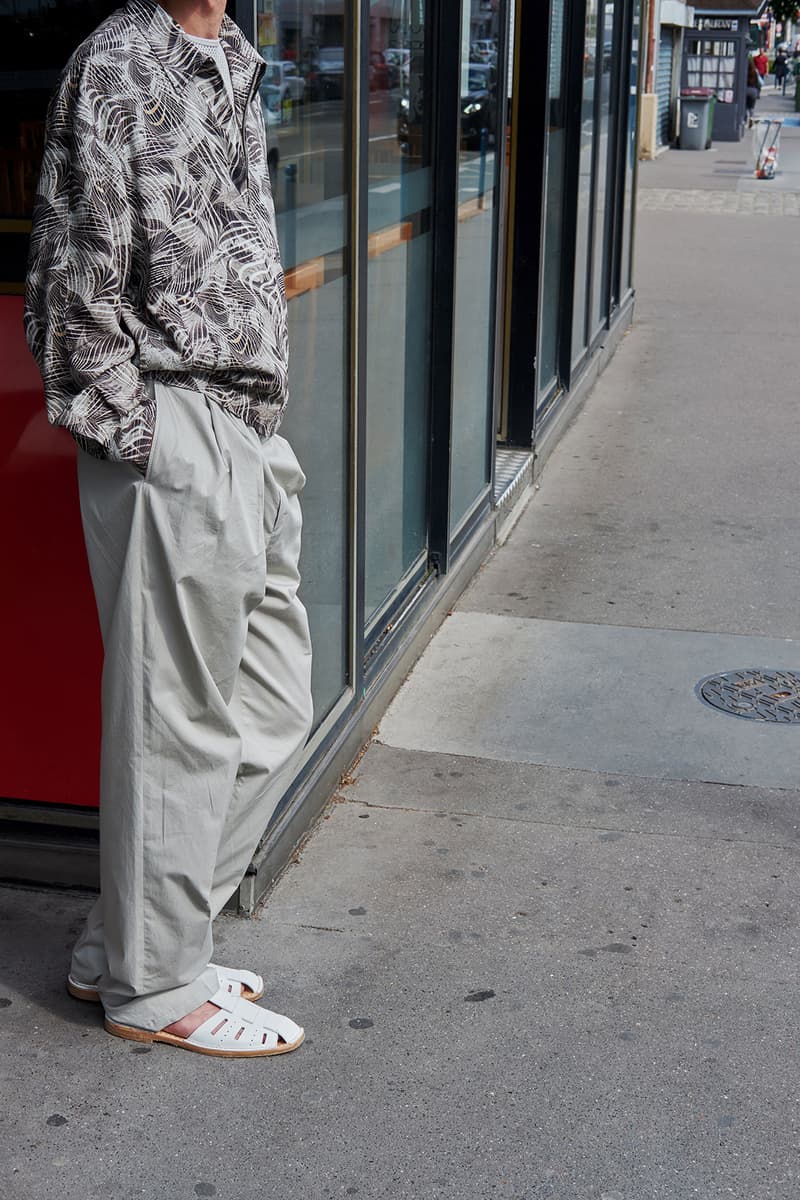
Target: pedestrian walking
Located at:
point(761, 64)
point(780, 70)
point(156, 310)
point(753, 90)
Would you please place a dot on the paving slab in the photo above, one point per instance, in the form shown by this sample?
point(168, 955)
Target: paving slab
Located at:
point(532, 794)
point(599, 697)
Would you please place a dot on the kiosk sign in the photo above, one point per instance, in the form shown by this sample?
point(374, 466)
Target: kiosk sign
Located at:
point(717, 23)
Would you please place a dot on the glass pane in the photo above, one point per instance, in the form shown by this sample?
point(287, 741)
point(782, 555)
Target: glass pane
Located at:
point(474, 290)
point(302, 98)
point(40, 35)
point(591, 80)
point(554, 203)
point(398, 297)
point(604, 182)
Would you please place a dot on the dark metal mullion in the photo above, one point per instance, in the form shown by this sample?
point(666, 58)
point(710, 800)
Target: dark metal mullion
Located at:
point(528, 183)
point(620, 75)
point(573, 66)
point(625, 57)
point(444, 39)
point(543, 216)
point(356, 73)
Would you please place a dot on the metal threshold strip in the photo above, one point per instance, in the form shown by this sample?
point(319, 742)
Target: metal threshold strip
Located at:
point(512, 472)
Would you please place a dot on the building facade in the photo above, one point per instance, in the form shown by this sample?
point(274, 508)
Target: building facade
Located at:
point(666, 22)
point(456, 217)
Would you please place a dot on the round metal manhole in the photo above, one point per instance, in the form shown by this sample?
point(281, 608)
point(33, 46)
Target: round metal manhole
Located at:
point(759, 694)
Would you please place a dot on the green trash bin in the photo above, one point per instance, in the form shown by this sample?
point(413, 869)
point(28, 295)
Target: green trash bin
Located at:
point(697, 116)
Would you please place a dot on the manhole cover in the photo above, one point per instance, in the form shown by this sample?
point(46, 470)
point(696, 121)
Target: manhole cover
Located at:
point(760, 694)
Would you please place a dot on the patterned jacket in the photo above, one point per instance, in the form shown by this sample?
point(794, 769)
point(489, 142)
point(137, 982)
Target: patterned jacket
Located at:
point(154, 250)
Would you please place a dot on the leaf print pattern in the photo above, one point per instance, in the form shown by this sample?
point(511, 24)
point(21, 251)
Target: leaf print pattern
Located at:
point(154, 251)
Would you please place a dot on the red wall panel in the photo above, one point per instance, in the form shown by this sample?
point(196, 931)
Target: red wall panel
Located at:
point(51, 649)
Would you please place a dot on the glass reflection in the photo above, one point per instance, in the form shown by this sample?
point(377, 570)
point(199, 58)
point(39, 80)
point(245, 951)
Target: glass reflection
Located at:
point(397, 300)
point(630, 158)
point(604, 182)
point(591, 73)
point(302, 98)
point(475, 241)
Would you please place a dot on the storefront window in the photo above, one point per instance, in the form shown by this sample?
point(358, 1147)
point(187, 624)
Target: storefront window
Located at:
point(554, 203)
point(591, 79)
point(303, 100)
point(397, 300)
point(474, 290)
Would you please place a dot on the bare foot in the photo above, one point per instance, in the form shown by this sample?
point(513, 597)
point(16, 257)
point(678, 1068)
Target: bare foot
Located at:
point(193, 1020)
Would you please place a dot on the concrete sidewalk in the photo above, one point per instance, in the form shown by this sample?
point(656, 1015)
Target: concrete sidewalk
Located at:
point(545, 942)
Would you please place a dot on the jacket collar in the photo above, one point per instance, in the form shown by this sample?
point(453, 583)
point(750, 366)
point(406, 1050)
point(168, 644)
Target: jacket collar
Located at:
point(182, 60)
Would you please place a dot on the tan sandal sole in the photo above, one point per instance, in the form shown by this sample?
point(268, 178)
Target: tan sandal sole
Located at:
point(92, 995)
point(131, 1034)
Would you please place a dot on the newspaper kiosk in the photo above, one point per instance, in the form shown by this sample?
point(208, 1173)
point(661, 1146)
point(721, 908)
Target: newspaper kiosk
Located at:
point(715, 56)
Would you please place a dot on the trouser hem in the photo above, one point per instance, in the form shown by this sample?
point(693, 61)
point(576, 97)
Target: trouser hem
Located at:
point(156, 1011)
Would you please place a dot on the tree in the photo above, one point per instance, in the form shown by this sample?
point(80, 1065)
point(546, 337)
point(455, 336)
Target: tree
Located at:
point(784, 10)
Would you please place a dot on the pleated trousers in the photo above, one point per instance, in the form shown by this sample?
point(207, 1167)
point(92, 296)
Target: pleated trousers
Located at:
point(206, 692)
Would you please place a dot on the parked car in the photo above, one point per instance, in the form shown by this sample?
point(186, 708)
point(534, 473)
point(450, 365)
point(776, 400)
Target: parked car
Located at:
point(285, 77)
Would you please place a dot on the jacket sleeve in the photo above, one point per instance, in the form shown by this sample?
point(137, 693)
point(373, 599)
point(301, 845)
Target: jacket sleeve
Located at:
point(78, 272)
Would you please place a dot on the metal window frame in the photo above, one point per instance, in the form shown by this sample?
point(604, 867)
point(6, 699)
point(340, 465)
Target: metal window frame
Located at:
point(526, 221)
point(622, 75)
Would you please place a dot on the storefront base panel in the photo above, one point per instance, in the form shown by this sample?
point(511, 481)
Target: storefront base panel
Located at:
point(569, 405)
point(49, 844)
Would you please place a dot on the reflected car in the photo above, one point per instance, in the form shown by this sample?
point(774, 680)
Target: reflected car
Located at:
point(378, 72)
point(330, 73)
point(479, 105)
point(397, 60)
point(270, 104)
point(478, 109)
point(284, 76)
point(403, 123)
point(483, 50)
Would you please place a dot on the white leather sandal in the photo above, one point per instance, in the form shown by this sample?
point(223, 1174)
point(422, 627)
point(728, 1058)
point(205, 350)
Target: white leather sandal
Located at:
point(251, 985)
point(239, 1030)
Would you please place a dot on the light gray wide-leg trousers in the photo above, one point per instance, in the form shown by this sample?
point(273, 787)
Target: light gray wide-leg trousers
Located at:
point(206, 692)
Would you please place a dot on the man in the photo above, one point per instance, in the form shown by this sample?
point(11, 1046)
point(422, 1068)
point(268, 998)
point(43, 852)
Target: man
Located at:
point(156, 310)
point(762, 65)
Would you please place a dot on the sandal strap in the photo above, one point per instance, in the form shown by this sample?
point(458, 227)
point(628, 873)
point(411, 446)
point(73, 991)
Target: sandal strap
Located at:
point(248, 979)
point(241, 1025)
